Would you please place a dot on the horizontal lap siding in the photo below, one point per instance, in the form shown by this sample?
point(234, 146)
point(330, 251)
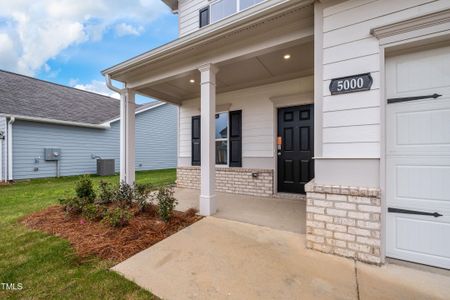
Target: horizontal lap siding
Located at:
point(351, 122)
point(258, 118)
point(155, 145)
point(188, 15)
point(156, 138)
point(3, 150)
point(76, 143)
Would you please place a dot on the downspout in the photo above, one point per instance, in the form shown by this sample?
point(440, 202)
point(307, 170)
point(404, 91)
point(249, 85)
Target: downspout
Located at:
point(10, 148)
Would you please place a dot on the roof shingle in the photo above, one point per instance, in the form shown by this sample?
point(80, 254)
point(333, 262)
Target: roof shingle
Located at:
point(25, 96)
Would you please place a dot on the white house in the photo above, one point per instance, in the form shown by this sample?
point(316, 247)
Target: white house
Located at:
point(346, 100)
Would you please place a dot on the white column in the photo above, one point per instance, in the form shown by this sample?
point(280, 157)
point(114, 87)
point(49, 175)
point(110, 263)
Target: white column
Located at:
point(208, 124)
point(127, 136)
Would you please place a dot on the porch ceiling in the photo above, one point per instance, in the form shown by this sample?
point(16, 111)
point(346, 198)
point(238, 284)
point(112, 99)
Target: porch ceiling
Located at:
point(248, 49)
point(242, 73)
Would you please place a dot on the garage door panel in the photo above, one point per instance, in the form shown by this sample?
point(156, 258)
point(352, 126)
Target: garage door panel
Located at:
point(426, 182)
point(420, 72)
point(419, 177)
point(412, 239)
point(419, 127)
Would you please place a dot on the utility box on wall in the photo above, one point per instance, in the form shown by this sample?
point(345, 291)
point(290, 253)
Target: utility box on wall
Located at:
point(52, 154)
point(105, 167)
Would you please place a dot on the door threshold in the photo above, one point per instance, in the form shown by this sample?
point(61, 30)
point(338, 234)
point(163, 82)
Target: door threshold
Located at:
point(290, 196)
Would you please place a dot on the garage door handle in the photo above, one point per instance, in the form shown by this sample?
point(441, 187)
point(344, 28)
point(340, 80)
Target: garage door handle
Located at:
point(404, 99)
point(413, 212)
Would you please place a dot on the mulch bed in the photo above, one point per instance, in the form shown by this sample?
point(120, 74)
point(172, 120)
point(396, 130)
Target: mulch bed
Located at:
point(99, 239)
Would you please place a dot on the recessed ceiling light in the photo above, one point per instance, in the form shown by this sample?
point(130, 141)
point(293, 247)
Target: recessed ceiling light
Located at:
point(287, 56)
point(192, 81)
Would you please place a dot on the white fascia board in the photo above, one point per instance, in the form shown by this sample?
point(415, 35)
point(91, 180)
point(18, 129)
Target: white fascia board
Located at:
point(212, 31)
point(58, 122)
point(137, 112)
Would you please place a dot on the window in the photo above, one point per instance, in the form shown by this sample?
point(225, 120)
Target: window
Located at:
point(228, 139)
point(204, 16)
point(221, 9)
point(222, 138)
point(247, 3)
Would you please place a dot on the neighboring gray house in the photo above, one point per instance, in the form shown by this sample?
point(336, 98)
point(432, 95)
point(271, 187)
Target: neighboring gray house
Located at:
point(35, 115)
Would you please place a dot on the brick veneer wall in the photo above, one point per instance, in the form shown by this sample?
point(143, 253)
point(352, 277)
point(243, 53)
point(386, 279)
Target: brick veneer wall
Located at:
point(230, 180)
point(345, 221)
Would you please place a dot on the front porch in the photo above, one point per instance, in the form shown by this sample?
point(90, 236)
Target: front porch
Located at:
point(278, 213)
point(230, 82)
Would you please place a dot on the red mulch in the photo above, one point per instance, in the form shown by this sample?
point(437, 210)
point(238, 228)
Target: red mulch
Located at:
point(96, 238)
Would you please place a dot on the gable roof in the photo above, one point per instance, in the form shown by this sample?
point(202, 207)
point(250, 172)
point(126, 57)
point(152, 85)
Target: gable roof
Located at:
point(30, 97)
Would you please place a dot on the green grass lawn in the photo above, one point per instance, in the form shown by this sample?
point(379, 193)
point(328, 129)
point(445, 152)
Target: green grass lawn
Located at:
point(46, 266)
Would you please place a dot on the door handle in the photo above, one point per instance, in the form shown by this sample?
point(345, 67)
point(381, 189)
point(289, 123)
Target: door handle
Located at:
point(404, 99)
point(413, 212)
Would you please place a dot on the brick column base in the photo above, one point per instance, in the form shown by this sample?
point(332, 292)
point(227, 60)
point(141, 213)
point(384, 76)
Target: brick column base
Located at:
point(345, 221)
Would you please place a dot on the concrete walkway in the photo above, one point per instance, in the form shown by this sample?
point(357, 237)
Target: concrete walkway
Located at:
point(283, 214)
point(222, 259)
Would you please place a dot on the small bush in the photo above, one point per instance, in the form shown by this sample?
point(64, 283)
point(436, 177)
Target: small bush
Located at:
point(85, 189)
point(124, 195)
point(142, 196)
point(117, 217)
point(106, 194)
point(93, 212)
point(73, 205)
point(166, 203)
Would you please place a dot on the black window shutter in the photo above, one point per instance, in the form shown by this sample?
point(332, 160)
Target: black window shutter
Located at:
point(235, 139)
point(204, 17)
point(195, 155)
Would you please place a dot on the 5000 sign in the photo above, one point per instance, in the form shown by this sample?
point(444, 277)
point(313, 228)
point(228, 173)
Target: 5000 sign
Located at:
point(351, 84)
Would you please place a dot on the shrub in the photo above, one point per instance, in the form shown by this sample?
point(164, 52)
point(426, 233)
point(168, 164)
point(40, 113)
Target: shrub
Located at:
point(106, 194)
point(73, 205)
point(85, 189)
point(93, 212)
point(142, 195)
point(166, 203)
point(117, 217)
point(124, 195)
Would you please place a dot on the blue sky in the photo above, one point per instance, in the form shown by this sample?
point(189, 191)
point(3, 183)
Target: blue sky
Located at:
point(70, 42)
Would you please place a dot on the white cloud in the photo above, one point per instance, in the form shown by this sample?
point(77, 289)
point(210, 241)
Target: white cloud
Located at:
point(95, 86)
point(32, 32)
point(8, 55)
point(124, 29)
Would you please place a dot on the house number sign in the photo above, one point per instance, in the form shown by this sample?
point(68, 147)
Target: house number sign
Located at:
point(351, 84)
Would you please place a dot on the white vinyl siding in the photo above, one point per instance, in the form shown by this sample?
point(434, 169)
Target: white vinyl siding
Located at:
point(258, 116)
point(349, 49)
point(188, 11)
point(156, 145)
point(188, 15)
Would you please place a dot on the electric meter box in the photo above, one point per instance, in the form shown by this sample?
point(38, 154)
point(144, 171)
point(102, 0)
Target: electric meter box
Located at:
point(52, 154)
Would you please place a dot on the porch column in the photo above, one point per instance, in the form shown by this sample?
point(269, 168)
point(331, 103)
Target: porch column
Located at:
point(208, 124)
point(127, 136)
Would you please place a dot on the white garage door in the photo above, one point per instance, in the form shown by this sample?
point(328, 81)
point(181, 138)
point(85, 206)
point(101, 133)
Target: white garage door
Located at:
point(418, 157)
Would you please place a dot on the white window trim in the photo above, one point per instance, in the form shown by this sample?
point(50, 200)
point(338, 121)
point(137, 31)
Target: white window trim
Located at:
point(227, 165)
point(238, 9)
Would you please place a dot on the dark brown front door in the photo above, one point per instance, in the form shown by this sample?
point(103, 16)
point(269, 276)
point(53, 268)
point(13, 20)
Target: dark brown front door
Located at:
point(295, 163)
